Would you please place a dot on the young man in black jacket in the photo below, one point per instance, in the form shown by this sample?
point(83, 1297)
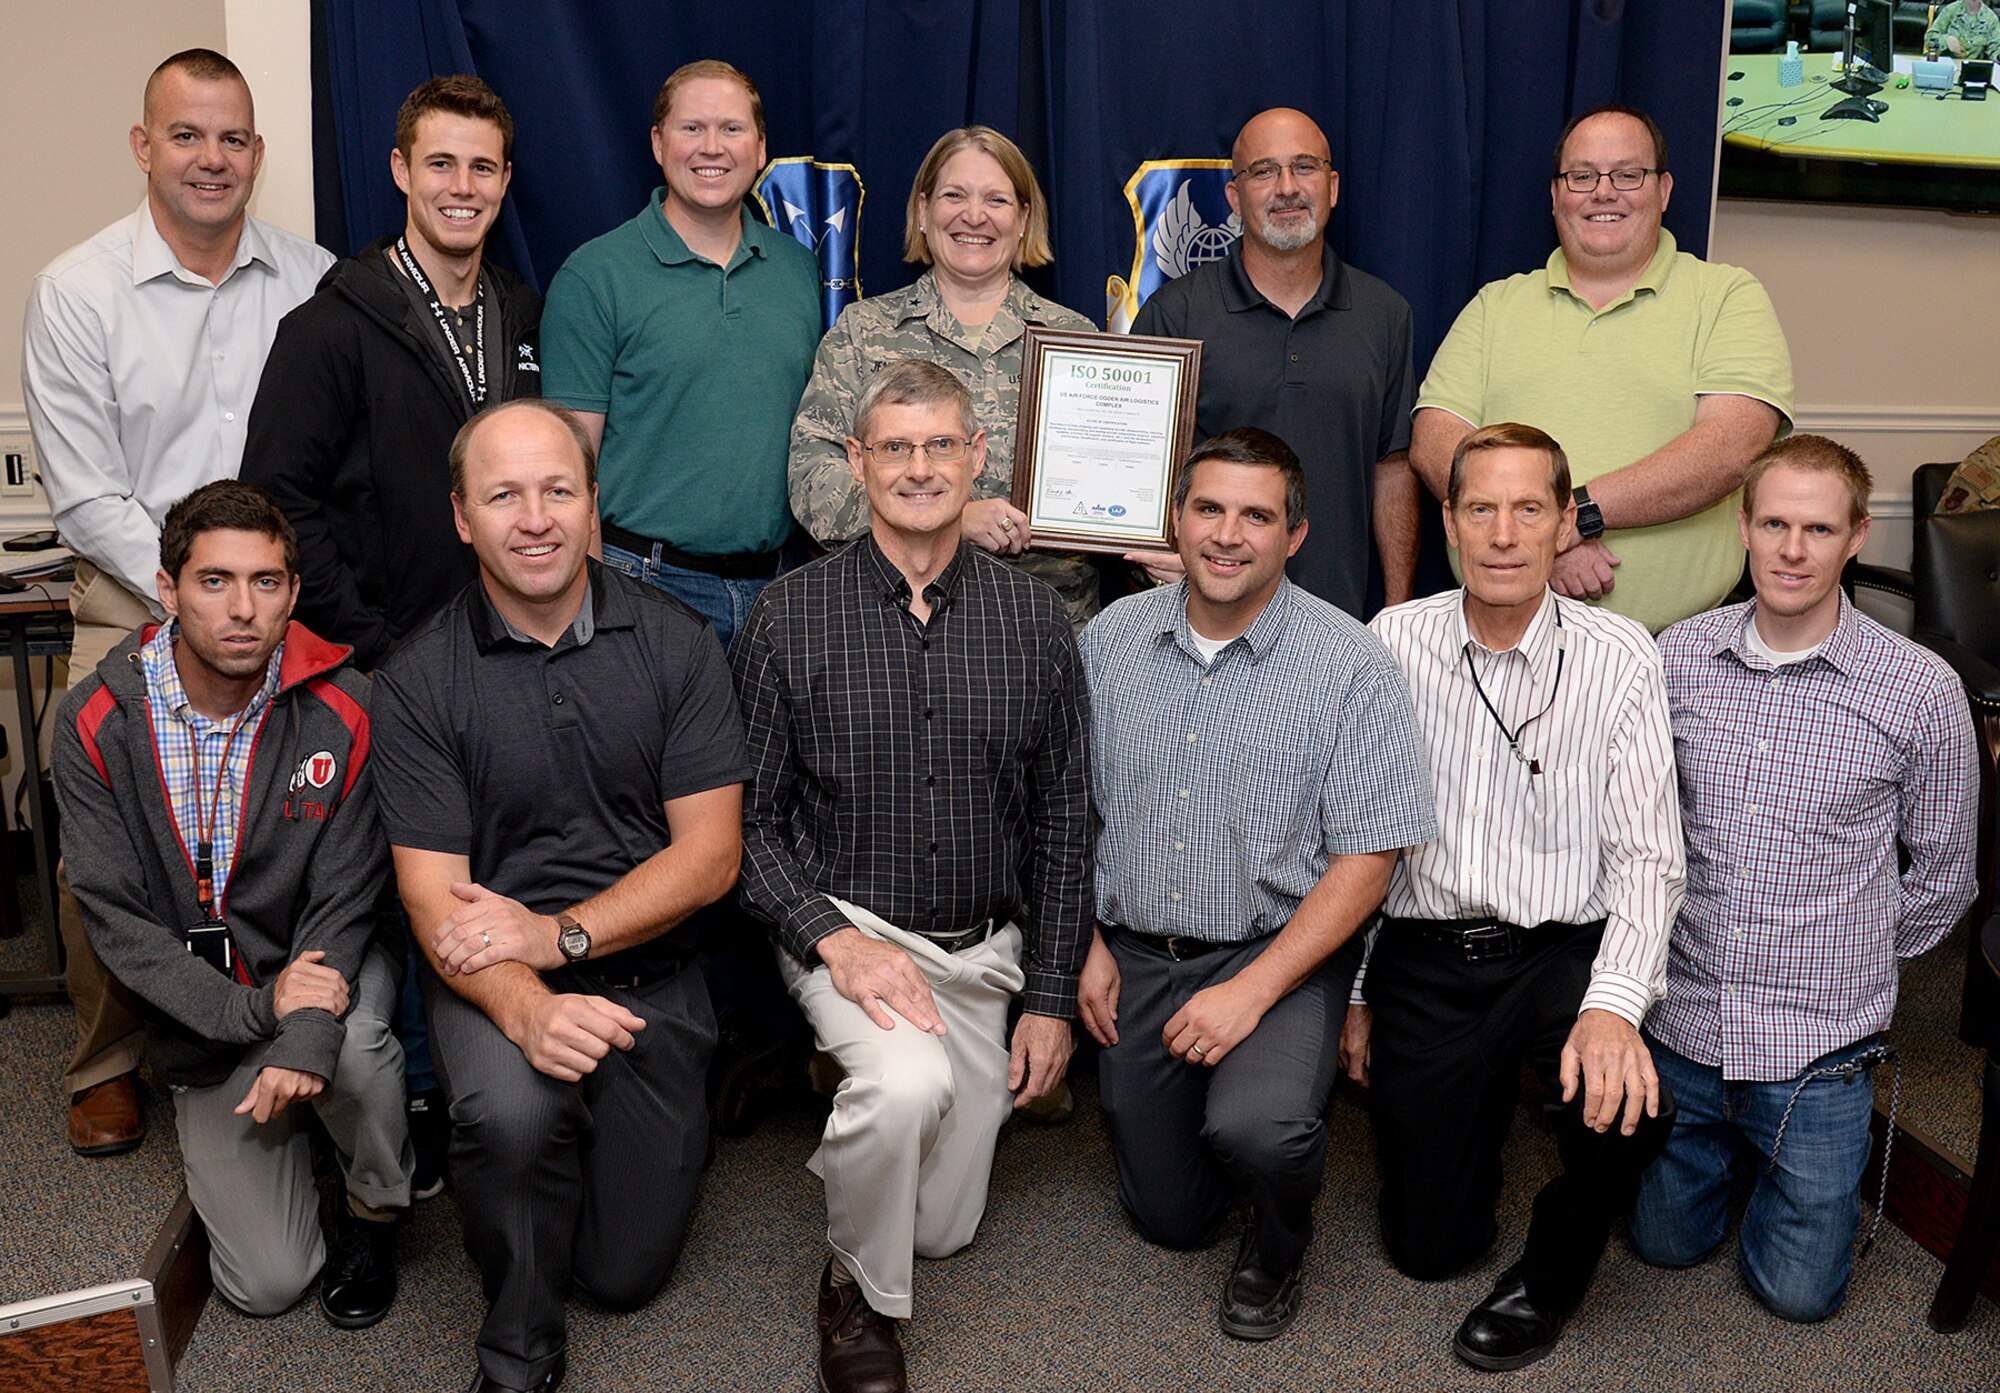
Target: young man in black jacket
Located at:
point(220, 829)
point(369, 380)
point(366, 385)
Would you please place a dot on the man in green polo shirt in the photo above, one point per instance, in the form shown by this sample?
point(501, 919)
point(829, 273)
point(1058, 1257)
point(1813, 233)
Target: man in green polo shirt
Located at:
point(1663, 376)
point(684, 338)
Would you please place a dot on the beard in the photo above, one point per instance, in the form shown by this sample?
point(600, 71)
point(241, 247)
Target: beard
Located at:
point(1289, 238)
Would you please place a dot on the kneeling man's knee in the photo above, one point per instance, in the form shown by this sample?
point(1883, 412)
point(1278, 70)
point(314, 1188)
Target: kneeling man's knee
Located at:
point(269, 1289)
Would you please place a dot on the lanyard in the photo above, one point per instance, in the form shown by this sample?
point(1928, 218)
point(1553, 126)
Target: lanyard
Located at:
point(204, 850)
point(1514, 736)
point(475, 376)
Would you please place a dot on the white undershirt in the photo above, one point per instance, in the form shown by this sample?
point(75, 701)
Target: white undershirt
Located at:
point(1756, 644)
point(1206, 646)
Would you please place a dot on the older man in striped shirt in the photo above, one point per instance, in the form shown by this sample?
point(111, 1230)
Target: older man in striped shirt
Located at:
point(1811, 742)
point(1535, 927)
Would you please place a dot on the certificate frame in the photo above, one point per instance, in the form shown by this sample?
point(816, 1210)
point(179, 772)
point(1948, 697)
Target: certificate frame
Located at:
point(1054, 486)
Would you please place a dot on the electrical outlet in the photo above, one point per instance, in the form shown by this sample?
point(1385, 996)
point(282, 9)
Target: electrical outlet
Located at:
point(17, 482)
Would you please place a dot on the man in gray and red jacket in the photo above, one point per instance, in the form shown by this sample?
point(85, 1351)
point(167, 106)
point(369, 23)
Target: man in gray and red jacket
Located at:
point(219, 824)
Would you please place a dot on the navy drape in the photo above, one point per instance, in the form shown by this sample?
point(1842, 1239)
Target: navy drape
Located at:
point(1441, 114)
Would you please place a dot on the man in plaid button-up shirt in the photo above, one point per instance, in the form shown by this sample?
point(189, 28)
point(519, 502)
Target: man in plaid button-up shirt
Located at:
point(1811, 741)
point(917, 832)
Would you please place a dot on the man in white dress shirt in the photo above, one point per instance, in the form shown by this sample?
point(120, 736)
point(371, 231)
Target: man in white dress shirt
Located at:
point(140, 357)
point(1535, 927)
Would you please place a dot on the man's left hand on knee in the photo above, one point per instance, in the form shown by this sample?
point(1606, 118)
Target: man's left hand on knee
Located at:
point(1606, 1056)
point(1215, 1021)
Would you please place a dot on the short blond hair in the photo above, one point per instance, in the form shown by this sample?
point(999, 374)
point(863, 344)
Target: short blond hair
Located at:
point(1034, 249)
point(694, 72)
point(1815, 454)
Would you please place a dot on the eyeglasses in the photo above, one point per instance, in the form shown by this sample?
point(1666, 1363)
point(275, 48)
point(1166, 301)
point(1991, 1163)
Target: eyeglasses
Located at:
point(940, 449)
point(1587, 180)
point(1302, 167)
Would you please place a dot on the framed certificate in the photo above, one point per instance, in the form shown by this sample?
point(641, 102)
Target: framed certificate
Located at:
point(1105, 420)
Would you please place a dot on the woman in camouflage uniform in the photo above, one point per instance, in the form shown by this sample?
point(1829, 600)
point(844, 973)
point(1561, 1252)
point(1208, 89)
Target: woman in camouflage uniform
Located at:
point(976, 216)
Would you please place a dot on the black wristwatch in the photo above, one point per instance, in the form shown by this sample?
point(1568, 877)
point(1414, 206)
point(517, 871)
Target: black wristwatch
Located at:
point(572, 938)
point(1589, 517)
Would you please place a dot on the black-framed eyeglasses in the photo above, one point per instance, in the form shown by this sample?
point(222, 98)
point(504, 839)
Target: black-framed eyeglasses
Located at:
point(939, 449)
point(1587, 180)
point(1301, 166)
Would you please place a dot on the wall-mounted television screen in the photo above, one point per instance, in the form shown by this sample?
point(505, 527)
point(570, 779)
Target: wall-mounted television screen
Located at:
point(1861, 101)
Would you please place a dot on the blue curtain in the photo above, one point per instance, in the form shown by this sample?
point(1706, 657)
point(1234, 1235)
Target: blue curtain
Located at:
point(1441, 114)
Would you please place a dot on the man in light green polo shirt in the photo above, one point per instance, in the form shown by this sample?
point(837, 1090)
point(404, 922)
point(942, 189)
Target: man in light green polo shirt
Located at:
point(684, 338)
point(1662, 375)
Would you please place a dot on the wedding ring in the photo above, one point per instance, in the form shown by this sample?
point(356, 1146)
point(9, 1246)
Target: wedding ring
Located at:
point(1197, 1051)
point(486, 938)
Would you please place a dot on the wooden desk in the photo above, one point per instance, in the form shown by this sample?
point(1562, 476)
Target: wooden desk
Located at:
point(19, 611)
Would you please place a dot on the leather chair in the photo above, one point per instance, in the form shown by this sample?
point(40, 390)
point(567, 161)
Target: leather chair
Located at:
point(1979, 1233)
point(1953, 588)
point(1955, 575)
point(1757, 26)
point(1826, 26)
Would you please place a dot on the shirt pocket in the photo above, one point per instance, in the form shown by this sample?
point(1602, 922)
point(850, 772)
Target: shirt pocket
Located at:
point(1561, 813)
point(1273, 795)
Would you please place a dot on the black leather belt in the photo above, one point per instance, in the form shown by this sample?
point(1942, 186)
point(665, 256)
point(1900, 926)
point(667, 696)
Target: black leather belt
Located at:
point(964, 938)
point(1480, 939)
point(1176, 946)
point(745, 565)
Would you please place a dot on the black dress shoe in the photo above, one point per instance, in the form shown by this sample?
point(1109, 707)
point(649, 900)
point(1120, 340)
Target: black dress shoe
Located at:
point(551, 1381)
point(359, 1279)
point(1258, 1304)
point(859, 1351)
point(1507, 1330)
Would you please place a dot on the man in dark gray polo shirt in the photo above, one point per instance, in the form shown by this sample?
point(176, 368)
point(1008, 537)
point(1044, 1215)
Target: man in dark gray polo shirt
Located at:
point(561, 769)
point(1299, 343)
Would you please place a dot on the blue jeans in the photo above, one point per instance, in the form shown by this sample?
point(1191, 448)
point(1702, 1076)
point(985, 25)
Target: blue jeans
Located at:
point(1796, 1249)
point(724, 603)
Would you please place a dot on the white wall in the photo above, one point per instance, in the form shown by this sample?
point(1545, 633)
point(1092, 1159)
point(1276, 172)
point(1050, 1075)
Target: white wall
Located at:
point(1891, 314)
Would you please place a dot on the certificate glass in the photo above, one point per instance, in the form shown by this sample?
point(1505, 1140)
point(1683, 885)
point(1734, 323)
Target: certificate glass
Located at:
point(1105, 420)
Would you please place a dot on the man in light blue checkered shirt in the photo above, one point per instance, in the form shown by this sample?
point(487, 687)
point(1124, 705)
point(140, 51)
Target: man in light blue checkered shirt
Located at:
point(1255, 767)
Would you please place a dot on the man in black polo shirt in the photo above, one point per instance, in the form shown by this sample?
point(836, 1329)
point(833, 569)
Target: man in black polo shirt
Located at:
point(917, 719)
point(561, 775)
point(1299, 343)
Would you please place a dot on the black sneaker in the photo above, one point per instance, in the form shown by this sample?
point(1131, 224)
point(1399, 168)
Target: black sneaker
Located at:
point(430, 1138)
point(359, 1280)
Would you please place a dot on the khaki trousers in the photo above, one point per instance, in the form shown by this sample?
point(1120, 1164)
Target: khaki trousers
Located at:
point(908, 1151)
point(109, 1035)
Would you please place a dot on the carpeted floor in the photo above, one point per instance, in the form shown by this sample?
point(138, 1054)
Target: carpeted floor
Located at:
point(1057, 1294)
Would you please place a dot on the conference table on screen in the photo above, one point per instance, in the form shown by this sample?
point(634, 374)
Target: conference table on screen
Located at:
point(1916, 127)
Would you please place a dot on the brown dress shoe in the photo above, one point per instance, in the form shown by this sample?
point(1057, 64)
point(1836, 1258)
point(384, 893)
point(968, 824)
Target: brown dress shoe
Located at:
point(858, 1348)
point(104, 1119)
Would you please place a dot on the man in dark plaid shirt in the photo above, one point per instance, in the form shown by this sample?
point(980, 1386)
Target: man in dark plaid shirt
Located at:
point(917, 831)
point(1811, 741)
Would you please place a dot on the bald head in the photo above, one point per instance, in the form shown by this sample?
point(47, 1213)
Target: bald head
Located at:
point(1280, 128)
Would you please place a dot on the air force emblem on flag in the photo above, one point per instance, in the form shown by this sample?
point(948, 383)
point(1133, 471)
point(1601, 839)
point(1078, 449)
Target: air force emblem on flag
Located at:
point(820, 204)
point(1183, 220)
